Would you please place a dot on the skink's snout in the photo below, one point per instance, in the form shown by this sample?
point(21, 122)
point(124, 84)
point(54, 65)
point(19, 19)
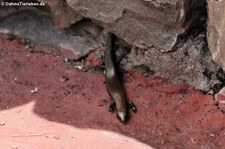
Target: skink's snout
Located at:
point(122, 116)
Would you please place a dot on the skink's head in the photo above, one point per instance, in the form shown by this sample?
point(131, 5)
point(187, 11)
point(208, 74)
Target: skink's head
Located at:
point(122, 115)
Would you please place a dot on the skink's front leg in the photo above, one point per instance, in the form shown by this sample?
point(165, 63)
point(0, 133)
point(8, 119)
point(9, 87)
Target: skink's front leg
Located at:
point(130, 104)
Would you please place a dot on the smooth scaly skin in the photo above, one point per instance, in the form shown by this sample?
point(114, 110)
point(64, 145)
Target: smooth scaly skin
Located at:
point(113, 85)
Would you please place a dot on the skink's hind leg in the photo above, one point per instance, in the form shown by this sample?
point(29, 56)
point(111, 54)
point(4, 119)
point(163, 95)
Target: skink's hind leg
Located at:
point(132, 106)
point(112, 107)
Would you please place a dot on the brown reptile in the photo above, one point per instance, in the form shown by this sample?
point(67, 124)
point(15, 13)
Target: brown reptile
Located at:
point(113, 85)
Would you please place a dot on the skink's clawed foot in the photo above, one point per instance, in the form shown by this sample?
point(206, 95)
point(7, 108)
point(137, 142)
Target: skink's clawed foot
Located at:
point(112, 107)
point(132, 106)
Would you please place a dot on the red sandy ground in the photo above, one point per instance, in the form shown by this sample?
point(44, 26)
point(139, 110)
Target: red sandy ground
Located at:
point(70, 108)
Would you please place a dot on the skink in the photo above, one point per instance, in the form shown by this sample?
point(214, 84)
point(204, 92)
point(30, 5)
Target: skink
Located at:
point(113, 85)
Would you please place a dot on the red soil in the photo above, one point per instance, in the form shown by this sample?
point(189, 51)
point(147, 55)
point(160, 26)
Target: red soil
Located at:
point(169, 116)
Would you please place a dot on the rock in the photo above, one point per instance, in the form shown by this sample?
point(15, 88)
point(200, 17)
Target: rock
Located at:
point(216, 30)
point(220, 99)
point(191, 63)
point(64, 15)
point(143, 23)
point(39, 28)
point(93, 60)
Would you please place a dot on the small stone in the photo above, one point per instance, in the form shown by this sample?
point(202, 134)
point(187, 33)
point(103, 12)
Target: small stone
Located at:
point(220, 99)
point(79, 67)
point(192, 140)
point(93, 60)
point(35, 90)
point(66, 60)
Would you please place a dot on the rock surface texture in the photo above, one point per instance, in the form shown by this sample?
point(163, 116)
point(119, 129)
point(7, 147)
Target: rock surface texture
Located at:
point(216, 30)
point(154, 29)
point(191, 63)
point(143, 23)
point(63, 14)
point(39, 28)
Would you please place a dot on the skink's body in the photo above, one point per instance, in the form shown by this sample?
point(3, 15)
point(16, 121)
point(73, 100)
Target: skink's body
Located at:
point(113, 84)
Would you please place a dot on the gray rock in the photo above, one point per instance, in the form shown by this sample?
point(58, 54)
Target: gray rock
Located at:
point(191, 63)
point(39, 28)
point(216, 30)
point(64, 15)
point(220, 99)
point(143, 23)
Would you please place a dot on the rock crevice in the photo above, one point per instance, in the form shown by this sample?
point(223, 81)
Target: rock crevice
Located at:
point(143, 23)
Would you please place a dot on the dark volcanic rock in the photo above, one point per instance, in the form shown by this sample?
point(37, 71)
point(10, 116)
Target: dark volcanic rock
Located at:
point(39, 28)
point(143, 23)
